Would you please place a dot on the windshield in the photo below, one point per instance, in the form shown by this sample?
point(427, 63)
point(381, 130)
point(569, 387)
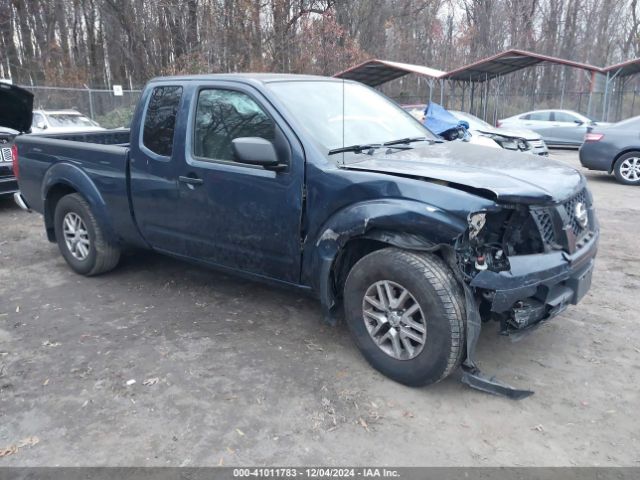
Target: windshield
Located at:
point(366, 117)
point(68, 120)
point(474, 122)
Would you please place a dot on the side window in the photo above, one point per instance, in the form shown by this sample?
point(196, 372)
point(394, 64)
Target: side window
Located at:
point(221, 116)
point(526, 117)
point(160, 119)
point(540, 116)
point(564, 117)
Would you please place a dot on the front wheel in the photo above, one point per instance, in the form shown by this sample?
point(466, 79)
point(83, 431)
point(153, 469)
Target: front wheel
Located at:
point(627, 168)
point(81, 239)
point(405, 311)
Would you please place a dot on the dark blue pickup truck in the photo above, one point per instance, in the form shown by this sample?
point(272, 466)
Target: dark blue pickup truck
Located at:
point(326, 186)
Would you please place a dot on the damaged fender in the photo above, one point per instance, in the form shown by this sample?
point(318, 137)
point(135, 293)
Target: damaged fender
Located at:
point(402, 223)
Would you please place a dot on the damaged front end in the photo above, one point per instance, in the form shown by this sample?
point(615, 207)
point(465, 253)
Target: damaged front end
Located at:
point(522, 265)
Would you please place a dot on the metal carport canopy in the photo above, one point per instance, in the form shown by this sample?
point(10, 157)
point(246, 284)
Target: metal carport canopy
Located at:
point(375, 72)
point(507, 62)
point(624, 69)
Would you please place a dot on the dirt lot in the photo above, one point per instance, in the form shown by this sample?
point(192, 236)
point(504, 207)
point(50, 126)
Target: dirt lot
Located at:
point(232, 372)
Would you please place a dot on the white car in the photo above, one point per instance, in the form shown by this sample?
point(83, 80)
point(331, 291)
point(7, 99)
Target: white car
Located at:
point(557, 127)
point(62, 121)
point(521, 139)
point(417, 111)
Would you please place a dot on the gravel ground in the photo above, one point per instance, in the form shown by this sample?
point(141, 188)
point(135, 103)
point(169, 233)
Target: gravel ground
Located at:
point(163, 363)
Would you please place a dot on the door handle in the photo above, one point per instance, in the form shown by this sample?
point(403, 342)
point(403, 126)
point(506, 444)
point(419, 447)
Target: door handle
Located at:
point(190, 180)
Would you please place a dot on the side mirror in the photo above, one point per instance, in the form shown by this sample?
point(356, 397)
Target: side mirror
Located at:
point(578, 122)
point(256, 151)
point(41, 125)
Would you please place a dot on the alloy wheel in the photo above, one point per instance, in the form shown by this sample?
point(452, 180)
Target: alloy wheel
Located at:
point(630, 169)
point(394, 320)
point(76, 236)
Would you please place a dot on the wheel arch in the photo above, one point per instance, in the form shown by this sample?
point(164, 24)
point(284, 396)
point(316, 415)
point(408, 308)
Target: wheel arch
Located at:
point(64, 179)
point(620, 154)
point(365, 227)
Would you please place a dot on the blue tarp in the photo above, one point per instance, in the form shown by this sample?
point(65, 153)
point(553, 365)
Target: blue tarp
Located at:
point(439, 120)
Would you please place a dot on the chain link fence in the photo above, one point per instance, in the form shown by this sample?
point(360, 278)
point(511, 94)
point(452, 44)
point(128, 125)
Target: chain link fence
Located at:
point(101, 105)
point(616, 106)
point(113, 111)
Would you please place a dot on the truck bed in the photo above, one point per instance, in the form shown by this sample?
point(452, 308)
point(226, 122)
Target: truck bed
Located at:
point(100, 156)
point(118, 136)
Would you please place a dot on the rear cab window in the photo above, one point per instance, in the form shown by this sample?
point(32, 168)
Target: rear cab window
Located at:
point(160, 119)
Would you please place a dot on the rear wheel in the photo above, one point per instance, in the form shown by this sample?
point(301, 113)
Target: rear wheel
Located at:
point(81, 239)
point(405, 311)
point(627, 168)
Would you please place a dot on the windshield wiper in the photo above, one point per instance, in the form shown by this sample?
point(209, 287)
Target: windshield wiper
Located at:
point(407, 141)
point(355, 148)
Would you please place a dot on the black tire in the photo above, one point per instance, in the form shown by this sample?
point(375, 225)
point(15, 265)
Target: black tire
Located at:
point(618, 166)
point(433, 286)
point(102, 256)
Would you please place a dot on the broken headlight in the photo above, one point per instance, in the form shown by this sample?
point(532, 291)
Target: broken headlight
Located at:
point(476, 223)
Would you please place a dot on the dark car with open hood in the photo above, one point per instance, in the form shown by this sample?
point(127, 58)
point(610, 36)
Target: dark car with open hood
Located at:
point(328, 187)
point(15, 117)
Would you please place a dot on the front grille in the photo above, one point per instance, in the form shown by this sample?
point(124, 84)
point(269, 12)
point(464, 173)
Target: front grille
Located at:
point(6, 155)
point(570, 209)
point(543, 219)
point(559, 225)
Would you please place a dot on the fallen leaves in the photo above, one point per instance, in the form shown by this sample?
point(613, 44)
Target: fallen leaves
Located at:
point(363, 424)
point(10, 450)
point(13, 449)
point(313, 346)
point(28, 442)
point(49, 343)
point(150, 381)
point(240, 432)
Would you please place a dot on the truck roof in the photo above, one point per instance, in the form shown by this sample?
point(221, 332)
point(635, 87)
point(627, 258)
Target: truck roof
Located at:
point(246, 77)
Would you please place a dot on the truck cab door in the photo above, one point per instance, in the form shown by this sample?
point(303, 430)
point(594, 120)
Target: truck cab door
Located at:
point(215, 209)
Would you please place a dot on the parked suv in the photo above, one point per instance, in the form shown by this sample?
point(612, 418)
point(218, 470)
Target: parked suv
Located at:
point(62, 121)
point(15, 117)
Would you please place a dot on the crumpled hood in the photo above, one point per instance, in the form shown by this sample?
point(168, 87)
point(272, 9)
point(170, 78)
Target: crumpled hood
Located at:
point(510, 177)
point(512, 132)
point(16, 106)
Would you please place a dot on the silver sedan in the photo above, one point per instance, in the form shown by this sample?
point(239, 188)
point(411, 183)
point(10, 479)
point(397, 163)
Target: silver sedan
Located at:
point(557, 127)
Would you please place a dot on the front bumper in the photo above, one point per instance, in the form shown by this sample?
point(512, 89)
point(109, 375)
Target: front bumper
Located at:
point(540, 285)
point(540, 151)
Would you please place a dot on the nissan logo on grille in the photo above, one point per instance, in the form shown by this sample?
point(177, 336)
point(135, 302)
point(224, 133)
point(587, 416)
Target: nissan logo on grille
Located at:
point(581, 215)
